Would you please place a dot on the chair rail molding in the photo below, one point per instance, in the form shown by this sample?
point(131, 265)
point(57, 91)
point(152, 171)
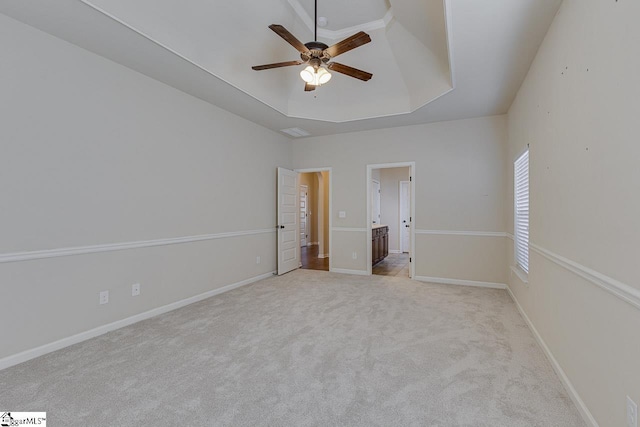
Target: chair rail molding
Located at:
point(609, 284)
point(462, 233)
point(109, 247)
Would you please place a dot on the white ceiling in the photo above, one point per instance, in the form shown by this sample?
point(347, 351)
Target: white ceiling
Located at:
point(345, 14)
point(431, 60)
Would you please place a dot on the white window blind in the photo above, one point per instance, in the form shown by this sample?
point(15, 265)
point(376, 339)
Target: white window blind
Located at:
point(521, 202)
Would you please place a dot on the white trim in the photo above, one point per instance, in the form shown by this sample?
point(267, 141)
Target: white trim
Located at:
point(395, 251)
point(312, 244)
point(350, 229)
point(109, 247)
point(510, 236)
point(609, 284)
point(400, 240)
point(346, 271)
point(463, 233)
point(573, 393)
point(21, 357)
point(323, 255)
point(460, 282)
point(522, 275)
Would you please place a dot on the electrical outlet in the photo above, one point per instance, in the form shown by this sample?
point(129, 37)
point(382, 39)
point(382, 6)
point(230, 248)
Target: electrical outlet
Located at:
point(632, 413)
point(354, 255)
point(257, 260)
point(104, 297)
point(135, 289)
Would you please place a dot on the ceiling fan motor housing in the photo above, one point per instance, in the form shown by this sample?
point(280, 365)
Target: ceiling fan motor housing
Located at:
point(316, 51)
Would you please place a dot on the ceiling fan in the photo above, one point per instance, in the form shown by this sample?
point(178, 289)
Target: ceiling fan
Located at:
point(317, 55)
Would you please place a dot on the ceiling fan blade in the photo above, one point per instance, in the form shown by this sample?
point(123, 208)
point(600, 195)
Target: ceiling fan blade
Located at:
point(289, 38)
point(308, 87)
point(276, 65)
point(348, 44)
point(349, 71)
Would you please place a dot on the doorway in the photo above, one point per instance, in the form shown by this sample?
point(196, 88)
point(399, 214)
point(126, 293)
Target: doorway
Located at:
point(390, 195)
point(314, 189)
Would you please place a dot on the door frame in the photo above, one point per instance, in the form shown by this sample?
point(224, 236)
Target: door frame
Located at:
point(329, 243)
point(306, 212)
point(379, 201)
point(400, 231)
point(412, 210)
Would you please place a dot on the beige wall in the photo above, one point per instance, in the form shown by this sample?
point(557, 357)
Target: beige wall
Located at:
point(460, 186)
point(94, 153)
point(578, 110)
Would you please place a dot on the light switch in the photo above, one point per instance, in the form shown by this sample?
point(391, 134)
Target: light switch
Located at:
point(342, 214)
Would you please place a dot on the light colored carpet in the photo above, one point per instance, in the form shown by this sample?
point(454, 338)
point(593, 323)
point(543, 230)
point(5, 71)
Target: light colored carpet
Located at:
point(306, 349)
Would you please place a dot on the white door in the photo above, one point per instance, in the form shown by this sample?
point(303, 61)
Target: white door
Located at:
point(288, 231)
point(375, 202)
point(303, 215)
point(405, 220)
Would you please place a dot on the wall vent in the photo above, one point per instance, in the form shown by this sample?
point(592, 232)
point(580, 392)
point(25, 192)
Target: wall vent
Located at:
point(295, 132)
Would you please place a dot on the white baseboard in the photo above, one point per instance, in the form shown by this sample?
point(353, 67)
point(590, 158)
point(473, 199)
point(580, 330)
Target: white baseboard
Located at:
point(460, 282)
point(312, 244)
point(394, 251)
point(21, 357)
point(346, 271)
point(573, 394)
point(323, 255)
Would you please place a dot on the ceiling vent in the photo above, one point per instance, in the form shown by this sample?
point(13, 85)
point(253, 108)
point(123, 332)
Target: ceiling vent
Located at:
point(295, 132)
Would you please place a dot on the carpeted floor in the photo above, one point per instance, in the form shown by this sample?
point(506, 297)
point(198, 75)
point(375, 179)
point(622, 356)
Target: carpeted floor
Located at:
point(306, 349)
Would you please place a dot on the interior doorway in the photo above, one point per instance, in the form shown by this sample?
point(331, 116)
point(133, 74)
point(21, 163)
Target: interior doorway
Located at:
point(314, 200)
point(390, 213)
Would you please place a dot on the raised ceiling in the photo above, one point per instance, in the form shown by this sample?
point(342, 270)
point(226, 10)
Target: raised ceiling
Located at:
point(432, 60)
point(410, 70)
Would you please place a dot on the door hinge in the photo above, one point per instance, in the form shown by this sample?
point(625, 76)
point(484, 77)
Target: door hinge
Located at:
point(409, 259)
point(409, 219)
point(410, 178)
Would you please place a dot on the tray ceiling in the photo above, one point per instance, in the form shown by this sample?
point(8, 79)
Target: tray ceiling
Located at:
point(410, 66)
point(431, 60)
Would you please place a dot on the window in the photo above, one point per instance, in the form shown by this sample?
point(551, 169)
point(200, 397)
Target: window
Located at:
point(521, 208)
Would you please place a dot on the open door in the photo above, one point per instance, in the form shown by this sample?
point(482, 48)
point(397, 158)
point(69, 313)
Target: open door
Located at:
point(405, 216)
point(288, 230)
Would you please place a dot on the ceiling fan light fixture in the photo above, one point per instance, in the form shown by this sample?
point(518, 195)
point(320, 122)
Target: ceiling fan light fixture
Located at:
point(323, 76)
point(308, 74)
point(315, 77)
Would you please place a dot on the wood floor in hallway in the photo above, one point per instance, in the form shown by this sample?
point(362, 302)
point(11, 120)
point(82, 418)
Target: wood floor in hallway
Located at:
point(310, 260)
